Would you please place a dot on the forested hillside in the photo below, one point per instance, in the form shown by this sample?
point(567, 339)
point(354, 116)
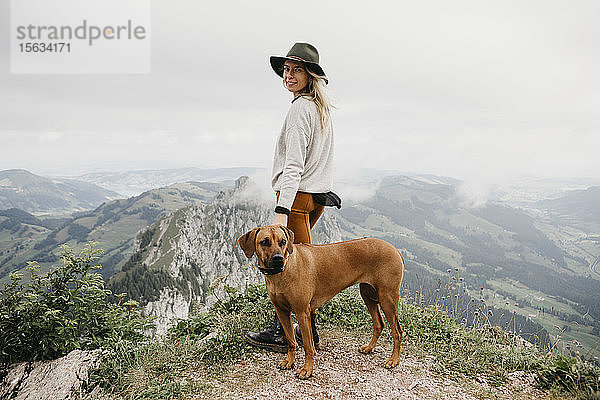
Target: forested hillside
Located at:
point(113, 225)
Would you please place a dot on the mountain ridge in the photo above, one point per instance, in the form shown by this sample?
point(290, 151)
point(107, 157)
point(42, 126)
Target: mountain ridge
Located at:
point(21, 189)
point(132, 183)
point(113, 225)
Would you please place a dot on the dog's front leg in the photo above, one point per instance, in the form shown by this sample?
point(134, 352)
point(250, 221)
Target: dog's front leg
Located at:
point(308, 342)
point(285, 317)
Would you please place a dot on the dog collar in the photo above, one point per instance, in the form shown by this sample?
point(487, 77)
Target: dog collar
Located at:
point(271, 271)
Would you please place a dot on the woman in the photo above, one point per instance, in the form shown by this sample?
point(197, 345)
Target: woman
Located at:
point(303, 162)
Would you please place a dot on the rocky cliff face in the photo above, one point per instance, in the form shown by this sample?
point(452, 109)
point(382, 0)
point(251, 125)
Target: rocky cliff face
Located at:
point(61, 379)
point(197, 247)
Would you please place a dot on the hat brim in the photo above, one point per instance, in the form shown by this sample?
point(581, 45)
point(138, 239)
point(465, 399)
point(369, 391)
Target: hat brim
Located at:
point(277, 65)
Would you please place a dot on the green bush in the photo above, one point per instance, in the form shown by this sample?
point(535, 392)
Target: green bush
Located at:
point(570, 375)
point(62, 310)
point(345, 310)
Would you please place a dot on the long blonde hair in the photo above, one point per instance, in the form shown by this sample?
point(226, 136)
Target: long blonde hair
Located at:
point(315, 91)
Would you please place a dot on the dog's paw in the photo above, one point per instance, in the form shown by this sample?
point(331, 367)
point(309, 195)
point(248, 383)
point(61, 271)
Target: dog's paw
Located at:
point(365, 349)
point(287, 364)
point(392, 362)
point(304, 373)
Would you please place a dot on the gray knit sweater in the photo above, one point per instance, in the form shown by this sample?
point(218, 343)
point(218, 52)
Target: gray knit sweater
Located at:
point(303, 154)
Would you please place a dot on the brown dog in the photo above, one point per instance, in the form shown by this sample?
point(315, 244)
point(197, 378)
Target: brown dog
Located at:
point(302, 277)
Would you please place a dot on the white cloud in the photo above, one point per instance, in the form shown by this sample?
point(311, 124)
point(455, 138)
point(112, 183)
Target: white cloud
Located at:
point(470, 89)
point(48, 137)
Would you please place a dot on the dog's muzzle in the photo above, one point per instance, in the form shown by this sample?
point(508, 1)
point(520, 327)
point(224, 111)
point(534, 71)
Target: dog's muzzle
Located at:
point(275, 266)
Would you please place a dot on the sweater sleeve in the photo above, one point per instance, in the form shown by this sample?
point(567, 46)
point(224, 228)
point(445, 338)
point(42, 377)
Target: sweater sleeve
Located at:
point(296, 144)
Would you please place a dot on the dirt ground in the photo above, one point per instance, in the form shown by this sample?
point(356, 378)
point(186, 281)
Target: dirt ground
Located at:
point(341, 372)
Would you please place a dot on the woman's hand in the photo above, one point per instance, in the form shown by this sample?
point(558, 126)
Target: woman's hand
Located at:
point(280, 219)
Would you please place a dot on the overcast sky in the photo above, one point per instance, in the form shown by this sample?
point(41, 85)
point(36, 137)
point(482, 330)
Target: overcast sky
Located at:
point(475, 90)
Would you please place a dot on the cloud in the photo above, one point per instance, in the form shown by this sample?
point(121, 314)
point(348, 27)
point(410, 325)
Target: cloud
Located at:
point(262, 181)
point(458, 89)
point(475, 193)
point(48, 137)
point(351, 186)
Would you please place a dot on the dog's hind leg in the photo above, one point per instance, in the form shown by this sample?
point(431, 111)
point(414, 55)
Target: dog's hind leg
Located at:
point(389, 305)
point(369, 295)
point(285, 317)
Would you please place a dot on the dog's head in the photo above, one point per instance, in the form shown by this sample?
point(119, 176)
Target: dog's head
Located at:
point(272, 244)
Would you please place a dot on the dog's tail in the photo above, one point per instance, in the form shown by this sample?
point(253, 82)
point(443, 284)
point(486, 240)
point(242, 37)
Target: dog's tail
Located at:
point(402, 259)
point(400, 253)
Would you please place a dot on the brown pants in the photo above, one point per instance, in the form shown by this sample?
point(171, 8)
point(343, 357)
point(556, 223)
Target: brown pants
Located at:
point(303, 216)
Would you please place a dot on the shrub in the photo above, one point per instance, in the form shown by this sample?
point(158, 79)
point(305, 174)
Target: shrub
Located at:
point(64, 309)
point(571, 375)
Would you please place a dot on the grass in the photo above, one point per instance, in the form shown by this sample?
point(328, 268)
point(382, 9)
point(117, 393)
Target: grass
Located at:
point(521, 291)
point(208, 343)
point(554, 325)
point(430, 331)
point(153, 370)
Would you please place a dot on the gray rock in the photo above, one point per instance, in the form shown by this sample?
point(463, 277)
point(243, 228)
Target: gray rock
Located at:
point(59, 379)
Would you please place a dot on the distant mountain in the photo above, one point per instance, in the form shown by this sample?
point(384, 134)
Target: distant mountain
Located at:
point(577, 207)
point(491, 243)
point(113, 226)
point(18, 230)
point(370, 174)
point(14, 216)
point(36, 194)
point(132, 183)
point(526, 191)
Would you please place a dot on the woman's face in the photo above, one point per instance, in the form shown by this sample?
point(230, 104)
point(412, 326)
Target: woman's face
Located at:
point(295, 76)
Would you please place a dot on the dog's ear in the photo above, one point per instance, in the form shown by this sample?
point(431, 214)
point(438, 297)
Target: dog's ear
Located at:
point(290, 239)
point(248, 242)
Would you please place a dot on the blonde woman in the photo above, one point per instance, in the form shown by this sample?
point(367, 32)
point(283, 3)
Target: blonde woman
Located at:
point(303, 163)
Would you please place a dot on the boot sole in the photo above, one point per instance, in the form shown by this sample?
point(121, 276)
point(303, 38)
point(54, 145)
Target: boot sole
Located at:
point(277, 348)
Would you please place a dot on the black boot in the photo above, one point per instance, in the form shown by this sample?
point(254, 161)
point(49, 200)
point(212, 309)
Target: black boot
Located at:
point(315, 334)
point(272, 338)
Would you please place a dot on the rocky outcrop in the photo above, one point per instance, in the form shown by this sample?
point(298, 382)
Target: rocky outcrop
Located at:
point(59, 379)
point(167, 309)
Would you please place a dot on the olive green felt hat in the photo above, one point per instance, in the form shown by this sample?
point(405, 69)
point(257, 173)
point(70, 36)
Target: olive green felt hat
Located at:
point(303, 52)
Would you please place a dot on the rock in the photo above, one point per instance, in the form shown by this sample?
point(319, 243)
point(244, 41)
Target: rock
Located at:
point(170, 306)
point(57, 380)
